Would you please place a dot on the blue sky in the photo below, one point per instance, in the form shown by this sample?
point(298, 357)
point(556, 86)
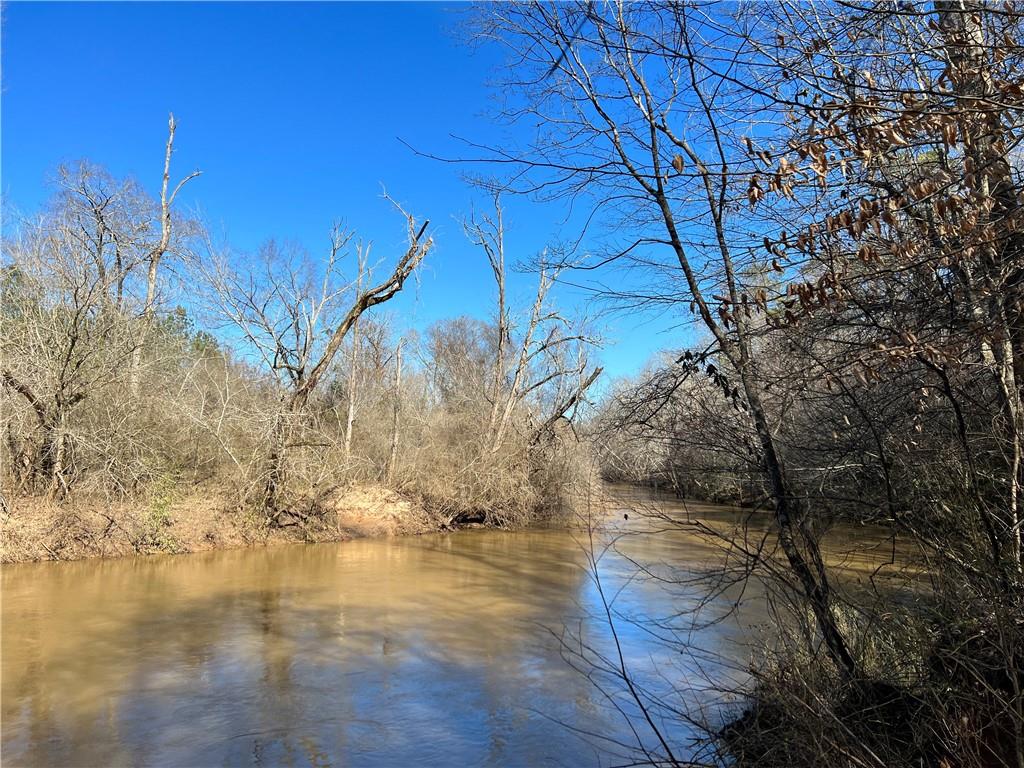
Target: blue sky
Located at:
point(294, 113)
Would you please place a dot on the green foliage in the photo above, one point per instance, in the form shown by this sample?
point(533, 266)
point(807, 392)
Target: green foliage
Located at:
point(158, 517)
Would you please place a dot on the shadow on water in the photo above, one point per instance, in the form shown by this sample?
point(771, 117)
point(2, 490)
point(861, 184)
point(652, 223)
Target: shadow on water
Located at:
point(439, 650)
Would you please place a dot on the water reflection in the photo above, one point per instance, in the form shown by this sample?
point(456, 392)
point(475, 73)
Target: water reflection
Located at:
point(440, 650)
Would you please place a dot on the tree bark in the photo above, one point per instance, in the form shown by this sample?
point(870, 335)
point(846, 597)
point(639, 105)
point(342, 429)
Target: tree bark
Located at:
point(305, 382)
point(350, 416)
point(396, 415)
point(156, 254)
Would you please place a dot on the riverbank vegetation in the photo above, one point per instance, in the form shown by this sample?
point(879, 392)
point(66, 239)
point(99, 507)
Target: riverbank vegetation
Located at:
point(128, 429)
point(833, 194)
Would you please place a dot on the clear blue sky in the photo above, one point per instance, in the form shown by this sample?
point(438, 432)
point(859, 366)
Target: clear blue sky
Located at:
point(293, 111)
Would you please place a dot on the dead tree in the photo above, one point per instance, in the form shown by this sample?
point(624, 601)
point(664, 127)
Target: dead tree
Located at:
point(488, 232)
point(395, 414)
point(291, 315)
point(539, 360)
point(353, 363)
point(159, 250)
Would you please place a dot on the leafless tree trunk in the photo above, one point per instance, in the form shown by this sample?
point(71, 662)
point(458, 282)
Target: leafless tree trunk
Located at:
point(158, 252)
point(489, 234)
point(396, 415)
point(596, 73)
point(510, 399)
point(353, 363)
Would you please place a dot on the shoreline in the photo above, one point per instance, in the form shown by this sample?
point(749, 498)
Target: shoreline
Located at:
point(201, 520)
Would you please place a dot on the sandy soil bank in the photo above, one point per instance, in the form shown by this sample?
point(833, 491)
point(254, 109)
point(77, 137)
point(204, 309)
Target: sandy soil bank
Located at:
point(200, 519)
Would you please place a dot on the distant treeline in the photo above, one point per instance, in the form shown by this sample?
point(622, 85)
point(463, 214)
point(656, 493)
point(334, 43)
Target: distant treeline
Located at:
point(296, 385)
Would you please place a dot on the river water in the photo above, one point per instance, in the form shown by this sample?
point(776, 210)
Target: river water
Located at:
point(473, 648)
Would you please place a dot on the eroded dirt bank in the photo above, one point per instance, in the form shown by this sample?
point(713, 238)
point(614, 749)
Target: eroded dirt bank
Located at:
point(202, 519)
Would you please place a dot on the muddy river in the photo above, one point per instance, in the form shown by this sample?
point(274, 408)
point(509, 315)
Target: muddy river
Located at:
point(473, 648)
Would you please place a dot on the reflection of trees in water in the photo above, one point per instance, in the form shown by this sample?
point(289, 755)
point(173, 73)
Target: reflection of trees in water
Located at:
point(293, 655)
point(304, 654)
point(301, 654)
point(682, 598)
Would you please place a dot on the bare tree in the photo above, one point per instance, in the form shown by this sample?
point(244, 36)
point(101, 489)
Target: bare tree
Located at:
point(396, 414)
point(160, 248)
point(293, 318)
point(73, 303)
point(353, 374)
point(539, 361)
point(830, 189)
point(622, 82)
point(488, 232)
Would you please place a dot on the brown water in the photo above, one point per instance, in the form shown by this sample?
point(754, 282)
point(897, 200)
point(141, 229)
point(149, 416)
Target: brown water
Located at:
point(439, 650)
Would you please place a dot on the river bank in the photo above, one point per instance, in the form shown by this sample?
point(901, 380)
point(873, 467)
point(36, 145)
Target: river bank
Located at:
point(432, 650)
point(368, 652)
point(200, 519)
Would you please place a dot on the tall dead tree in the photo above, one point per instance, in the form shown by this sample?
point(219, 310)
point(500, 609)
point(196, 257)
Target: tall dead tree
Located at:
point(539, 360)
point(396, 413)
point(488, 232)
point(292, 316)
point(159, 250)
point(353, 362)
